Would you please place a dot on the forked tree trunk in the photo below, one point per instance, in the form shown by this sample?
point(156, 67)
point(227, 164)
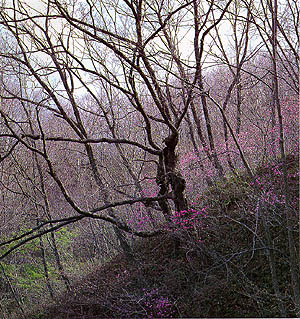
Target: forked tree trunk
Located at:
point(168, 177)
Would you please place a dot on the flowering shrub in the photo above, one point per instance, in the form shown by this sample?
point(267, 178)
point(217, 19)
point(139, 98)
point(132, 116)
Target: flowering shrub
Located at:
point(141, 220)
point(187, 219)
point(258, 139)
point(268, 193)
point(272, 183)
point(157, 306)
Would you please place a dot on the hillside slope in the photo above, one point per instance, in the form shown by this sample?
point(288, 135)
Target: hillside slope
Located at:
point(222, 269)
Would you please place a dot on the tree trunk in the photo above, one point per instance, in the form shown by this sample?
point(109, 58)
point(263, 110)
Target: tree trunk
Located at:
point(292, 254)
point(167, 176)
point(44, 261)
point(105, 198)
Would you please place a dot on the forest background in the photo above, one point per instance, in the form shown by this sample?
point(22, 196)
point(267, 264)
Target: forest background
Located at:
point(122, 121)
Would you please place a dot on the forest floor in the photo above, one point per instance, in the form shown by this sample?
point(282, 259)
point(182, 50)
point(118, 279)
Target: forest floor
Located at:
point(221, 269)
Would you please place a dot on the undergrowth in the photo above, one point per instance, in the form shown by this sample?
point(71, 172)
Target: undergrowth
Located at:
point(221, 268)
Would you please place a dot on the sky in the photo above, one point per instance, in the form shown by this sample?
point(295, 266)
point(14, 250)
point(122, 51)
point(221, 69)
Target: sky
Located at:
point(185, 35)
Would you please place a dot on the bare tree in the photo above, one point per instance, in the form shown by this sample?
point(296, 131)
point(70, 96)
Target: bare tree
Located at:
point(61, 49)
point(110, 88)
